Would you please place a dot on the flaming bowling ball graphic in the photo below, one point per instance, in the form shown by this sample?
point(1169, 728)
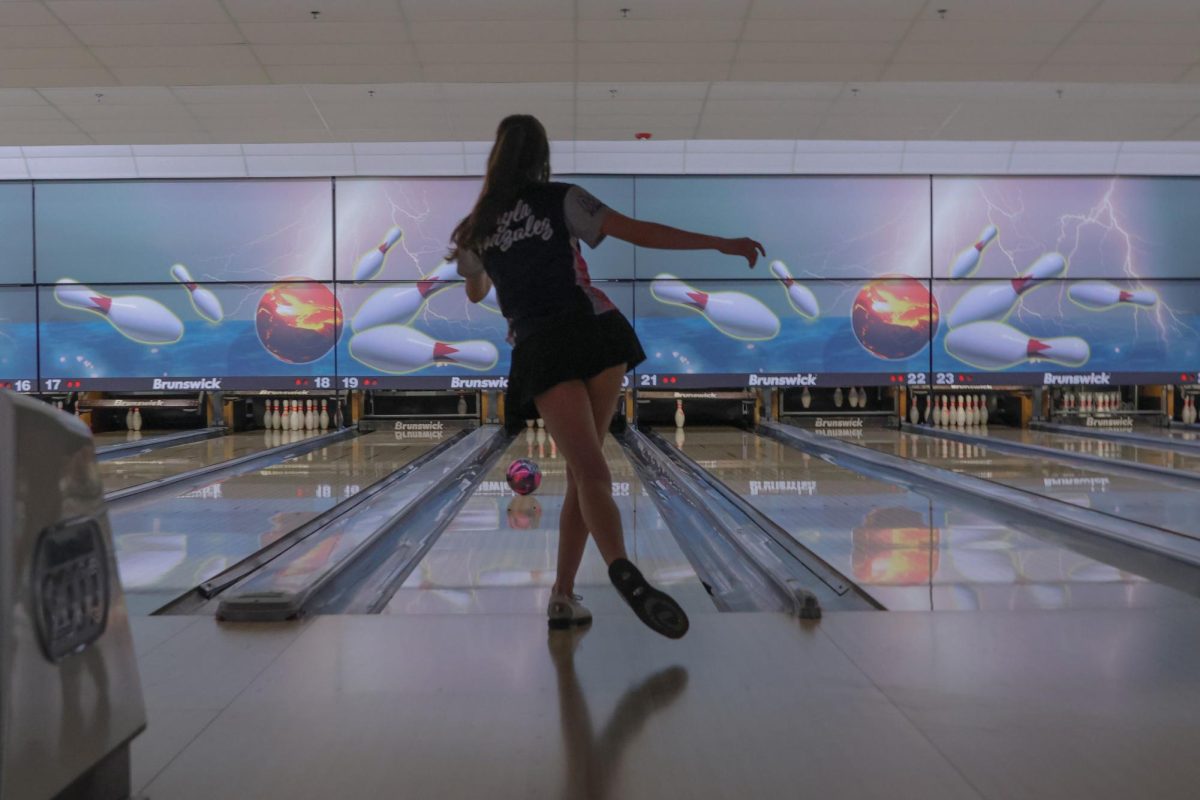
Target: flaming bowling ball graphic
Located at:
point(895, 546)
point(894, 317)
point(298, 322)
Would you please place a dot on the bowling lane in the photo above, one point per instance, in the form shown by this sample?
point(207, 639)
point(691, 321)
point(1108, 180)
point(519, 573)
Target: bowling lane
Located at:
point(1136, 454)
point(911, 550)
point(1139, 500)
point(151, 465)
point(498, 555)
point(169, 543)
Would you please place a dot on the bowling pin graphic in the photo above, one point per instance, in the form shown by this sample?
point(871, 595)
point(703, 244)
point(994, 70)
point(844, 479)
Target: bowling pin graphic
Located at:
point(735, 314)
point(997, 345)
point(203, 300)
point(371, 264)
point(995, 299)
point(137, 318)
point(491, 302)
point(398, 349)
point(398, 304)
point(1101, 296)
point(800, 296)
point(968, 259)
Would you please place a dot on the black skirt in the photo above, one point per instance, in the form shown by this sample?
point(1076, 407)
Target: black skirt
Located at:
point(575, 346)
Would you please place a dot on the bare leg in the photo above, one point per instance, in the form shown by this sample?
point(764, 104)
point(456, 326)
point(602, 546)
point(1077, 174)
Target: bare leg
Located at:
point(572, 530)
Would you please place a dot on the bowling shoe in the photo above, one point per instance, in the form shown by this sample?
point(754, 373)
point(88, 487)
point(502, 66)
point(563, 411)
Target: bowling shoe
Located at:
point(566, 611)
point(656, 609)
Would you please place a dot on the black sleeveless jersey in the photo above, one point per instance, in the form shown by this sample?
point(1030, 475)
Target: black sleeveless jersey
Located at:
point(534, 260)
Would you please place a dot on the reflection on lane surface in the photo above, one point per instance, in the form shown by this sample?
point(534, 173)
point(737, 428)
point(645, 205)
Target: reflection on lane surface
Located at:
point(1103, 448)
point(1136, 499)
point(167, 545)
point(499, 554)
point(908, 550)
point(152, 465)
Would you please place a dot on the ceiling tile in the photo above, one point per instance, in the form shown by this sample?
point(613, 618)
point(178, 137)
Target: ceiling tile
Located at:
point(1016, 30)
point(21, 97)
point(662, 9)
point(383, 93)
point(1137, 33)
point(667, 30)
point(39, 36)
point(490, 31)
point(836, 9)
point(774, 71)
point(215, 75)
point(495, 73)
point(626, 71)
point(54, 76)
point(508, 53)
point(960, 72)
point(136, 12)
point(158, 34)
point(618, 106)
point(25, 14)
point(972, 52)
point(300, 11)
point(52, 57)
point(333, 54)
point(348, 73)
point(1096, 73)
point(1030, 10)
point(366, 33)
point(765, 90)
point(422, 10)
point(642, 91)
point(751, 108)
point(819, 52)
point(1147, 11)
point(203, 56)
point(1124, 54)
point(655, 52)
point(508, 91)
point(827, 30)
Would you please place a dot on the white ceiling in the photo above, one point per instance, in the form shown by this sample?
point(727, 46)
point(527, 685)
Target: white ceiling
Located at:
point(79, 72)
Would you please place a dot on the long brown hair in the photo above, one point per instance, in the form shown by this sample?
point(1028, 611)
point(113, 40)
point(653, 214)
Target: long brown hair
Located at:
point(520, 157)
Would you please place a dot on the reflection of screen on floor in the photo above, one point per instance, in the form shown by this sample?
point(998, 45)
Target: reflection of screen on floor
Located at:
point(523, 476)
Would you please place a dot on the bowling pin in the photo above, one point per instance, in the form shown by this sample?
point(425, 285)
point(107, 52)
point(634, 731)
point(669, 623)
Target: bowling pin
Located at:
point(800, 296)
point(324, 416)
point(297, 417)
point(927, 414)
point(370, 264)
point(128, 419)
point(862, 397)
point(398, 304)
point(529, 423)
point(541, 423)
point(734, 314)
point(936, 414)
point(680, 438)
point(805, 398)
point(137, 419)
point(462, 405)
point(308, 416)
point(914, 414)
point(837, 397)
point(968, 259)
point(1191, 407)
point(997, 298)
point(852, 397)
point(960, 413)
point(1101, 296)
point(996, 345)
point(541, 441)
point(138, 318)
point(983, 411)
point(399, 349)
point(203, 300)
point(679, 417)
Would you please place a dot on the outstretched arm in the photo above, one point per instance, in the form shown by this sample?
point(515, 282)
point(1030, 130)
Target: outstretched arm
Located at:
point(664, 237)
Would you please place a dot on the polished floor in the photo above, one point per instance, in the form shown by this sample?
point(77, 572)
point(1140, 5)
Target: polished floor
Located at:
point(1074, 676)
point(1037, 704)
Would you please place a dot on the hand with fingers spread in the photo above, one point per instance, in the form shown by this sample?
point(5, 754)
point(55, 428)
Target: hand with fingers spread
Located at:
point(745, 247)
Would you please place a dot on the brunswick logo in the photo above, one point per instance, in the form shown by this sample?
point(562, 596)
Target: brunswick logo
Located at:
point(72, 587)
